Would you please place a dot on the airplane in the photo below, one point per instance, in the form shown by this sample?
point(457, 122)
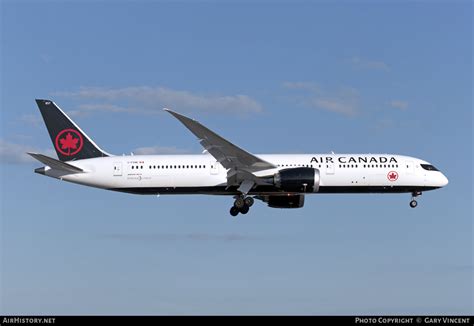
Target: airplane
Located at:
point(279, 180)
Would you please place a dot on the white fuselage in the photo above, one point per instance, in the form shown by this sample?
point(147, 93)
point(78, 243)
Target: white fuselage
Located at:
point(189, 174)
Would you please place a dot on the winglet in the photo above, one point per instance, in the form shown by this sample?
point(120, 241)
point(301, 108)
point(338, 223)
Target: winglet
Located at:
point(188, 122)
point(178, 116)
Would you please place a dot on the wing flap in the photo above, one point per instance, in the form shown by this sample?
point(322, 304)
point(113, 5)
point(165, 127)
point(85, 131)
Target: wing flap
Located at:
point(246, 186)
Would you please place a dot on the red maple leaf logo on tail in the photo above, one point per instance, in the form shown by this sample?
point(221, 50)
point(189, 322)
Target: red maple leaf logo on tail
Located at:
point(70, 144)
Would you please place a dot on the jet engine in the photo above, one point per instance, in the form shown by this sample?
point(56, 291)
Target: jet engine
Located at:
point(283, 201)
point(297, 180)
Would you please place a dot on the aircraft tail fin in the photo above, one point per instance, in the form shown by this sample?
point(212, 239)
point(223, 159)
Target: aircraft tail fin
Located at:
point(69, 141)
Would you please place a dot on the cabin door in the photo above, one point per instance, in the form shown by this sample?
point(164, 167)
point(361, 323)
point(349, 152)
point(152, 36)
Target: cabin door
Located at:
point(410, 167)
point(117, 168)
point(214, 167)
point(329, 168)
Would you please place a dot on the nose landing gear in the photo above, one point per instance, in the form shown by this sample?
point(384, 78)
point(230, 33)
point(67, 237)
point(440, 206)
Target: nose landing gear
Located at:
point(241, 205)
point(413, 202)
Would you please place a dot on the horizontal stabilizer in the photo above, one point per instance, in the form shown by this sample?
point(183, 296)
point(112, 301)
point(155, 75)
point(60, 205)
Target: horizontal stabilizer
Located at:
point(56, 164)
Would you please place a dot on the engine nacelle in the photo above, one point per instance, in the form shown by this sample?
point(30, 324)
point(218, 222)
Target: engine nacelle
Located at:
point(298, 180)
point(283, 201)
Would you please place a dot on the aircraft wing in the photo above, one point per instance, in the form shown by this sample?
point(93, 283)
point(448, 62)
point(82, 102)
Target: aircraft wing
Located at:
point(226, 153)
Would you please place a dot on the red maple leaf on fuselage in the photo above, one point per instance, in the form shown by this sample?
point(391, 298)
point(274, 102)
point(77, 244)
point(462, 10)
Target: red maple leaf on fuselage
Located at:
point(69, 142)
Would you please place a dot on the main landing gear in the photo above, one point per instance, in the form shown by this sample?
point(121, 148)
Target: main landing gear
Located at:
point(413, 202)
point(241, 205)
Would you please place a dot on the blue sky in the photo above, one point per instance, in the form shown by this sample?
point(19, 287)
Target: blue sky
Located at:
point(273, 78)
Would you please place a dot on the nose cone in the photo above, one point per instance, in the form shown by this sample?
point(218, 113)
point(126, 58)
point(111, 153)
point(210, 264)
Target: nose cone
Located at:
point(443, 180)
point(439, 180)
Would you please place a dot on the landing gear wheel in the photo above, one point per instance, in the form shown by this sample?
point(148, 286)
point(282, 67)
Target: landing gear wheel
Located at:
point(241, 205)
point(234, 211)
point(413, 202)
point(239, 202)
point(249, 201)
point(245, 209)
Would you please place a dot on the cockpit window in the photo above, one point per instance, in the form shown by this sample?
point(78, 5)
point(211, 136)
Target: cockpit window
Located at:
point(429, 167)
